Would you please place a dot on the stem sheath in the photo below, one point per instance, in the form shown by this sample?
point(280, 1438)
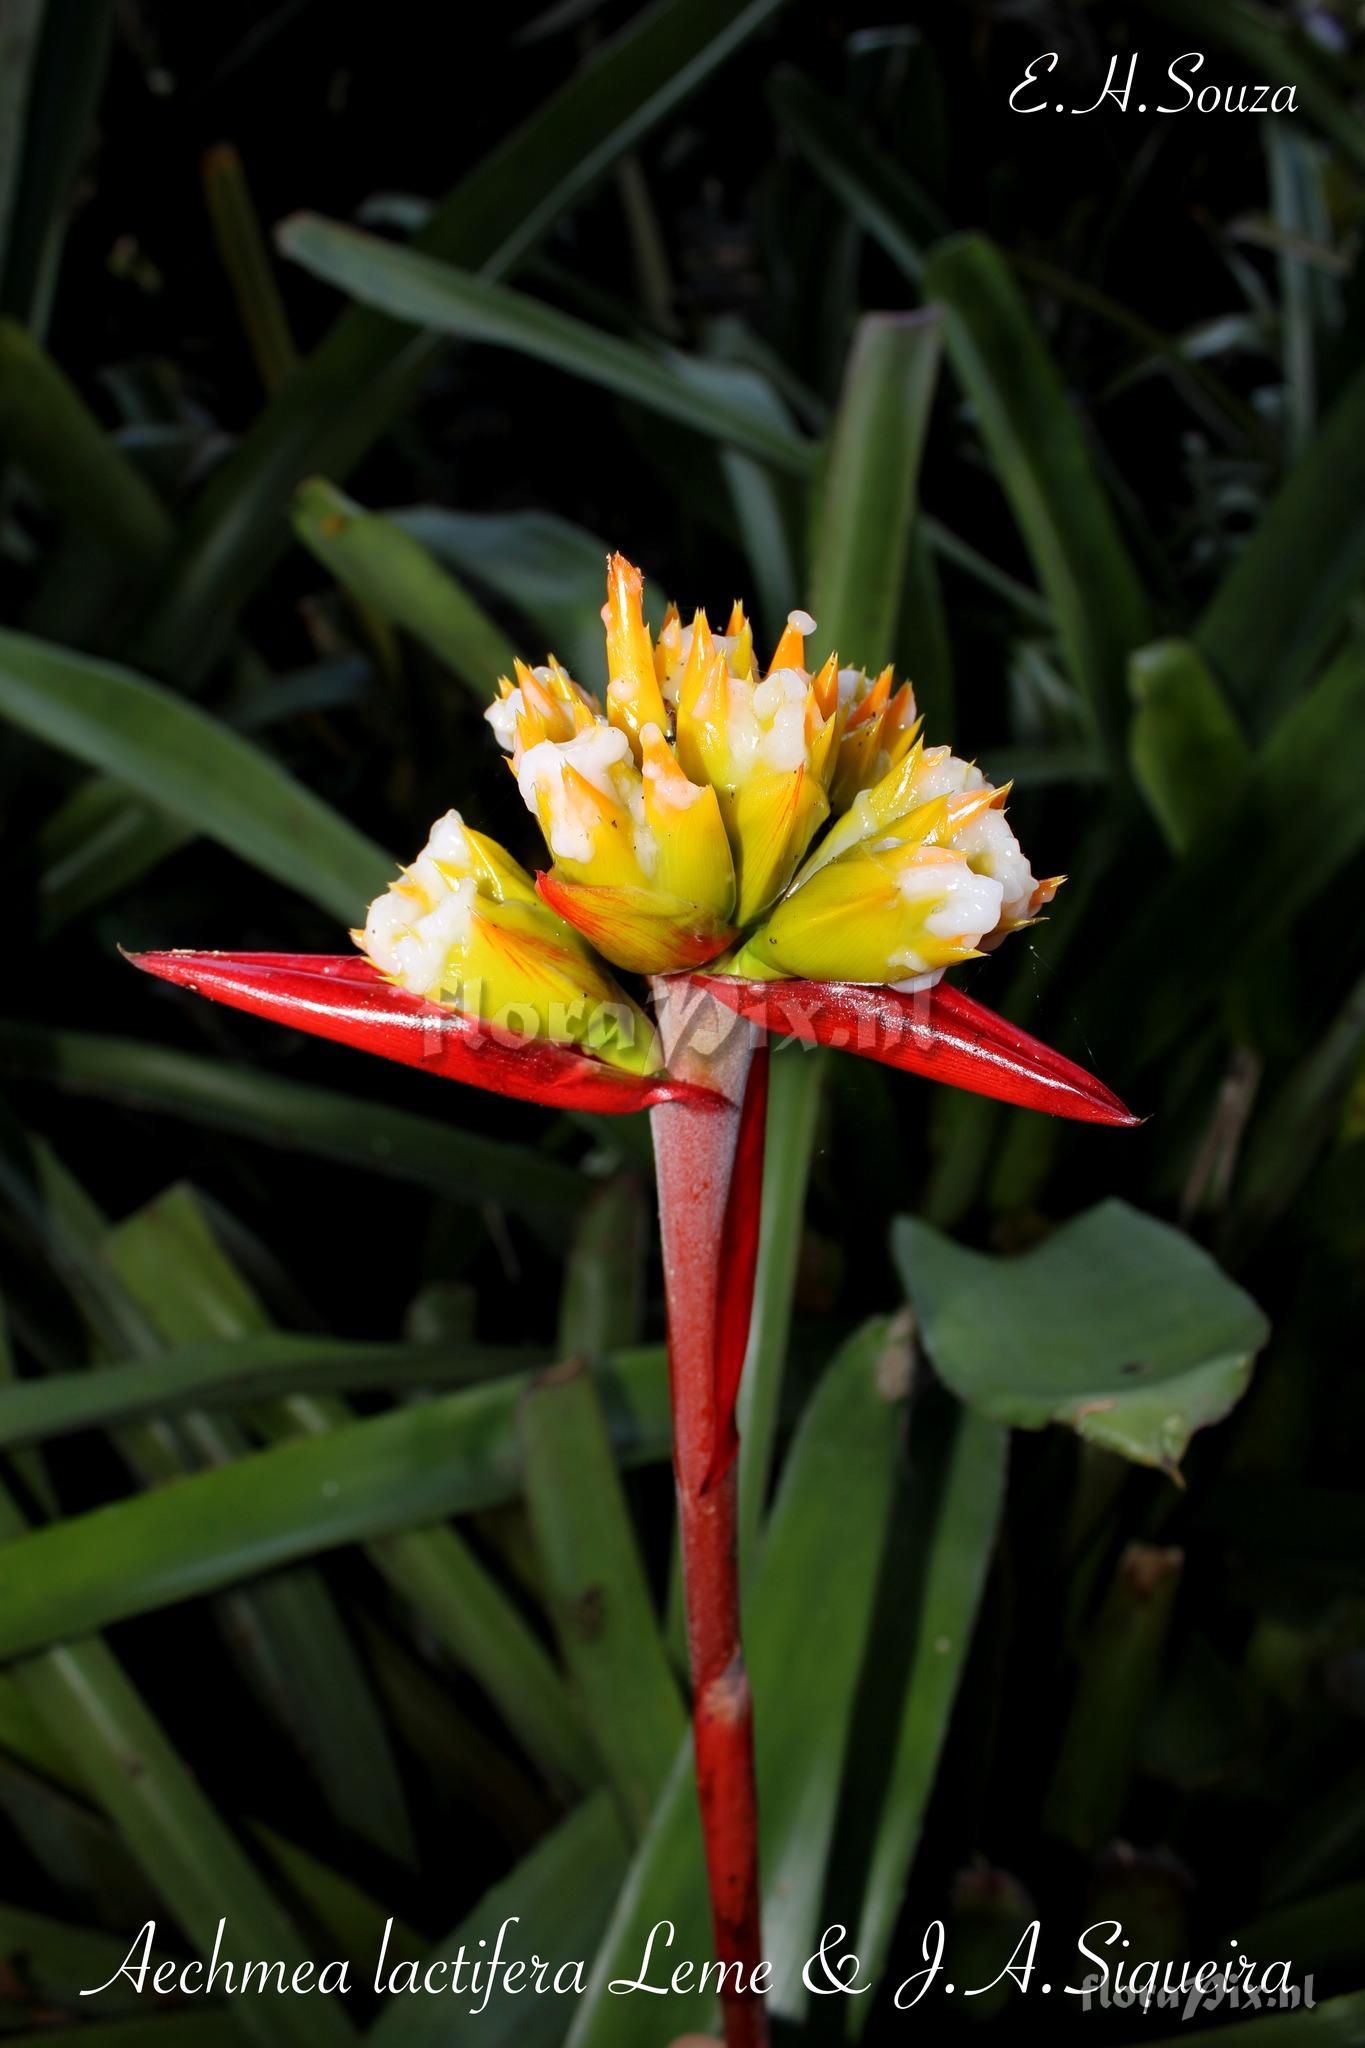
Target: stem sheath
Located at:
point(710, 1162)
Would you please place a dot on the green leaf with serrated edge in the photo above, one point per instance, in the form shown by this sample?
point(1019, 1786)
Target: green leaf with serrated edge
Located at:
point(1116, 1325)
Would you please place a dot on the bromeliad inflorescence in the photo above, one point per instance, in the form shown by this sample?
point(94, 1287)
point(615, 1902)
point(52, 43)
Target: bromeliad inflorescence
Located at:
point(679, 824)
point(780, 853)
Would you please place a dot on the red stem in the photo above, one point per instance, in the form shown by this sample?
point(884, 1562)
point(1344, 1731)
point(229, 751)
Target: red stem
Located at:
point(710, 1171)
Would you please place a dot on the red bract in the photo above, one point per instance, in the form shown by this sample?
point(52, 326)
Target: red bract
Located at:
point(938, 1032)
point(341, 996)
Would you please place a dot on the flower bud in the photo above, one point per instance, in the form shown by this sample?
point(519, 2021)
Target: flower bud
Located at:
point(464, 927)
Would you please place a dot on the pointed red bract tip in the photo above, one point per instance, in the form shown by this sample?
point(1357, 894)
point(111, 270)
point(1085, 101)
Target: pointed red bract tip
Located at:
point(938, 1033)
point(343, 997)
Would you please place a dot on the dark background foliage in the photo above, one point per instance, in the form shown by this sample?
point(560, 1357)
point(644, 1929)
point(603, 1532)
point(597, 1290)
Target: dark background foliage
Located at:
point(1171, 1730)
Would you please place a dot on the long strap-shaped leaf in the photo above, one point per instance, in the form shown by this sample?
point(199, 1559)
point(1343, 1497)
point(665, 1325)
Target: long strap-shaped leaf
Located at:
point(939, 1033)
point(341, 996)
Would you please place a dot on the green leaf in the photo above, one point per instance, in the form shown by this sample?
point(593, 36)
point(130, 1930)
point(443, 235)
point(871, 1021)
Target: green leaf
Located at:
point(795, 1094)
point(551, 571)
point(368, 368)
point(213, 2028)
point(1332, 2023)
point(561, 1895)
point(389, 1473)
point(238, 1374)
point(1120, 1662)
point(956, 1514)
point(84, 1699)
point(601, 1304)
point(407, 285)
point(880, 194)
point(1289, 1135)
point(65, 75)
point(384, 567)
point(96, 843)
point(274, 1111)
point(867, 499)
point(313, 1678)
point(1288, 591)
point(827, 1529)
point(246, 259)
point(1254, 864)
point(1188, 751)
point(47, 429)
point(48, 1963)
point(1039, 454)
point(190, 766)
point(597, 1588)
point(1116, 1325)
point(1271, 49)
point(178, 1273)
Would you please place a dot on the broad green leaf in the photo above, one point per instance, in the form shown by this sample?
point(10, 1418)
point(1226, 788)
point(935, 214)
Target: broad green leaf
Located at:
point(47, 429)
point(1188, 751)
point(1044, 466)
point(1116, 1325)
point(1288, 591)
point(560, 1895)
point(398, 1471)
point(827, 1529)
point(880, 194)
point(410, 286)
point(867, 498)
point(368, 368)
point(597, 1588)
point(955, 1515)
point(192, 767)
point(275, 1111)
point(240, 1373)
point(384, 567)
